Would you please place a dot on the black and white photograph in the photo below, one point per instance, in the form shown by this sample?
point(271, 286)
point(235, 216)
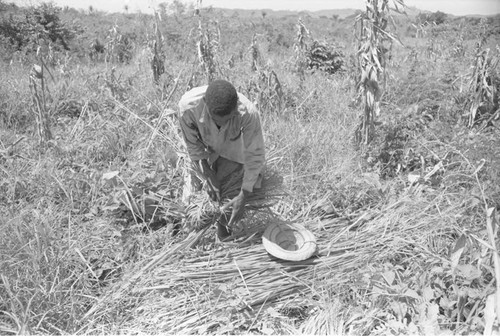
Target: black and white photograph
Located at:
point(264, 167)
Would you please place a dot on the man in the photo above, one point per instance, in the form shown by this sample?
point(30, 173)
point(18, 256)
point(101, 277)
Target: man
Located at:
point(224, 139)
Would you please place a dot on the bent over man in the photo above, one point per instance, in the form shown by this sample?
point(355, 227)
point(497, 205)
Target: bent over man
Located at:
point(224, 139)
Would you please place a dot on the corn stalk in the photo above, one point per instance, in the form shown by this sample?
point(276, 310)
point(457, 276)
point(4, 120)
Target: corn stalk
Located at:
point(482, 85)
point(302, 35)
point(433, 49)
point(374, 43)
point(39, 91)
point(158, 60)
point(265, 85)
point(254, 53)
point(113, 40)
point(300, 48)
point(267, 90)
point(207, 47)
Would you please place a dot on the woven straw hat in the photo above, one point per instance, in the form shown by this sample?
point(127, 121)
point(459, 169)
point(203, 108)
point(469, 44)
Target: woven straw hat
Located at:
point(289, 241)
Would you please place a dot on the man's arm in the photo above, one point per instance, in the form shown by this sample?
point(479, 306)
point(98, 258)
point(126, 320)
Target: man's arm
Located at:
point(189, 127)
point(254, 150)
point(254, 153)
point(198, 154)
point(195, 146)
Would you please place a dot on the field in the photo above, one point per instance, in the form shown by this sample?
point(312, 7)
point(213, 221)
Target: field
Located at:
point(94, 236)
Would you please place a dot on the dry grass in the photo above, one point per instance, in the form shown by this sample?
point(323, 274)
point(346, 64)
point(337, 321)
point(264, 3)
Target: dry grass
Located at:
point(398, 254)
point(198, 286)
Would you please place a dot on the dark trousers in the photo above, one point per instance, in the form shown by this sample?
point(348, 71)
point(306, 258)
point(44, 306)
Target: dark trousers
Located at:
point(229, 174)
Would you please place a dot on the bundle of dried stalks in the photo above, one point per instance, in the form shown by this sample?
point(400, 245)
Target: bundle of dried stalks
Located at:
point(202, 211)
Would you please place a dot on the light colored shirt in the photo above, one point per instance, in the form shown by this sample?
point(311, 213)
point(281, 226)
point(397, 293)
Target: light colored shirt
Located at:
point(240, 139)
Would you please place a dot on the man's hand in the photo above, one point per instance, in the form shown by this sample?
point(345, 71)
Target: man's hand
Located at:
point(213, 183)
point(238, 204)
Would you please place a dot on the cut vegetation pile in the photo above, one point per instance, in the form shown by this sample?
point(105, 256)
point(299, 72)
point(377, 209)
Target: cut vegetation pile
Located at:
point(196, 286)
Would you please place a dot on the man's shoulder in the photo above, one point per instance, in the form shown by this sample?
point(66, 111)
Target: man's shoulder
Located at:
point(192, 98)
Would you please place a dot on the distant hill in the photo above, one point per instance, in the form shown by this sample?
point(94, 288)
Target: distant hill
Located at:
point(339, 13)
point(246, 13)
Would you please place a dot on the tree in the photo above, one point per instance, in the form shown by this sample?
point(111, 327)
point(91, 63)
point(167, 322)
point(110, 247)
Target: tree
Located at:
point(39, 26)
point(44, 23)
point(162, 9)
point(176, 8)
point(11, 29)
point(436, 18)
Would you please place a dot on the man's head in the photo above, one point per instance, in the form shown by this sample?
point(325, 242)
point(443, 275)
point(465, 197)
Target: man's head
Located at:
point(221, 98)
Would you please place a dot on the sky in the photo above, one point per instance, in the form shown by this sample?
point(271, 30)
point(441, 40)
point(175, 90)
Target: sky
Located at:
point(455, 7)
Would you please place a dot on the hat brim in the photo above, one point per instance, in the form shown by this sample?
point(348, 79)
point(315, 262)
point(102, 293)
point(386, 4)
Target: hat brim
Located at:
point(289, 241)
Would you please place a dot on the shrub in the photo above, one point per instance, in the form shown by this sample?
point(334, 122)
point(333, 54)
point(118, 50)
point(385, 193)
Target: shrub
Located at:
point(39, 25)
point(323, 57)
point(436, 18)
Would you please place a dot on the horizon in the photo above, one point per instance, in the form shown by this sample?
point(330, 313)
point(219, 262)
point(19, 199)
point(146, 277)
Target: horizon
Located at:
point(453, 7)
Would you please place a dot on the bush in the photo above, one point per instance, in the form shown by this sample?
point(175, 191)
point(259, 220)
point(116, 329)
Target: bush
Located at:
point(10, 28)
point(436, 18)
point(323, 57)
point(38, 24)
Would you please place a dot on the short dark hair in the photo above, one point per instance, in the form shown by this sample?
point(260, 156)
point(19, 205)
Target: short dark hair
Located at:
point(221, 97)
